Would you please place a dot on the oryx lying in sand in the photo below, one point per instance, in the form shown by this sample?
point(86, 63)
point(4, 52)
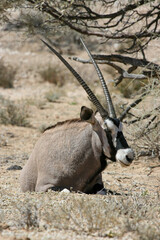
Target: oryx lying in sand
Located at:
point(72, 154)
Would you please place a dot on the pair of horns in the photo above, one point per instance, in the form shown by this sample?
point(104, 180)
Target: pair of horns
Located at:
point(103, 112)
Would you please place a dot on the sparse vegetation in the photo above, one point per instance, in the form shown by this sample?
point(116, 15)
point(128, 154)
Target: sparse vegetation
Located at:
point(130, 88)
point(7, 75)
point(146, 138)
point(144, 124)
point(54, 96)
point(53, 75)
point(43, 127)
point(73, 103)
point(39, 103)
point(14, 114)
point(104, 217)
point(3, 140)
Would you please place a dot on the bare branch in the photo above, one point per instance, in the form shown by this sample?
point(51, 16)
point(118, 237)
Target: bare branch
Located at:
point(128, 60)
point(128, 20)
point(132, 105)
point(123, 73)
point(79, 22)
point(104, 59)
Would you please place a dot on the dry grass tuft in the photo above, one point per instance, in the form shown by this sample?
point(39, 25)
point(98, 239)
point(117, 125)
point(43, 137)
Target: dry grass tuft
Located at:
point(14, 114)
point(7, 75)
point(129, 87)
point(53, 75)
point(54, 96)
point(3, 140)
point(97, 216)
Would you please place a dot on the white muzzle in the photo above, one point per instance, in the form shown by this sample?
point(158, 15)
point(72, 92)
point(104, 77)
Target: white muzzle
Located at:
point(125, 156)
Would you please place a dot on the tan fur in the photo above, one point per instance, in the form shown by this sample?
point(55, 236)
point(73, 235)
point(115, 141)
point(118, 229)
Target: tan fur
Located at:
point(66, 155)
point(64, 123)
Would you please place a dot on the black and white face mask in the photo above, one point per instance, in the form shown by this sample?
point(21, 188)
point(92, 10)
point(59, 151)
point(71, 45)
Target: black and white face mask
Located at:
point(119, 149)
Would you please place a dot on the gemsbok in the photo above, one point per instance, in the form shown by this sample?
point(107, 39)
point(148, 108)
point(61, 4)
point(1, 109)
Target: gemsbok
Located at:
point(72, 154)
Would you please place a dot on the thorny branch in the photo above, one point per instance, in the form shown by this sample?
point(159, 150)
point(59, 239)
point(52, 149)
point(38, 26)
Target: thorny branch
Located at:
point(123, 73)
point(108, 19)
point(153, 68)
point(132, 105)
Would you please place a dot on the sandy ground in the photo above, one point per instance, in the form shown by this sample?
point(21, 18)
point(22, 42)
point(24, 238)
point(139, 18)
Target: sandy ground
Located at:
point(29, 57)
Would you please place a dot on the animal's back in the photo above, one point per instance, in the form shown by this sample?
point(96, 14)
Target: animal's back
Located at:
point(62, 157)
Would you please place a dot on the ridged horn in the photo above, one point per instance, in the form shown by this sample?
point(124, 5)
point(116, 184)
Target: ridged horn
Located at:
point(91, 95)
point(111, 109)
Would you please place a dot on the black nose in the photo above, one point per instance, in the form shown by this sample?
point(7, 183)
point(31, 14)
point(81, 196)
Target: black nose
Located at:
point(129, 159)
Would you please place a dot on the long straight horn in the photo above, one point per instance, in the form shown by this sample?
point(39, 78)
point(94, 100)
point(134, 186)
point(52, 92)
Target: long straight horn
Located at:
point(111, 109)
point(91, 95)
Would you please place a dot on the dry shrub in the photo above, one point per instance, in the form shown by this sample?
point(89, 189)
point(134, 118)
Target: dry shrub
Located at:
point(146, 139)
point(144, 124)
point(54, 96)
point(14, 114)
point(129, 87)
point(39, 103)
point(29, 216)
point(7, 75)
point(122, 46)
point(53, 75)
point(96, 216)
point(29, 19)
point(3, 140)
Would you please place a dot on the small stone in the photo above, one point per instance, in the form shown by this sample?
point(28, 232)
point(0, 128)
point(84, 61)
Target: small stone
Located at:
point(14, 167)
point(65, 190)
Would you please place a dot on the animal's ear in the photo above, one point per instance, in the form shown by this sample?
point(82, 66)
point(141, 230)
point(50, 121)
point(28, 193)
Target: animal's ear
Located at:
point(86, 113)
